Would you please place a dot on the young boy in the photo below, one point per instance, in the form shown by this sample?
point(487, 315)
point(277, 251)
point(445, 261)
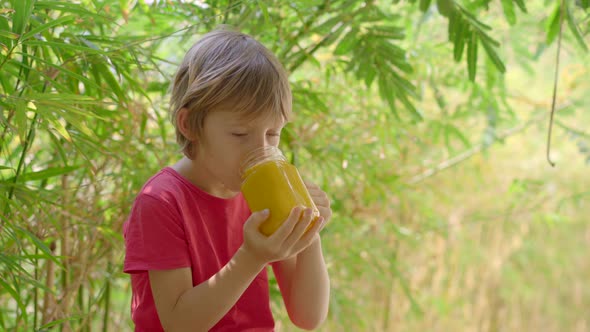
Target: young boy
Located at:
point(196, 257)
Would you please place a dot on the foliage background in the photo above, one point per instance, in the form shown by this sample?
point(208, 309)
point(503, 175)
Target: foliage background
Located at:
point(426, 121)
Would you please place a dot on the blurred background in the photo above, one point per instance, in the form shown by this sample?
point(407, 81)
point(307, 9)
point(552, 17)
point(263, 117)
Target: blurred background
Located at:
point(425, 121)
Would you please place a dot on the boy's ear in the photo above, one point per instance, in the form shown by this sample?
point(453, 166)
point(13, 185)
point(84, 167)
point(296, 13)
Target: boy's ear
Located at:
point(183, 125)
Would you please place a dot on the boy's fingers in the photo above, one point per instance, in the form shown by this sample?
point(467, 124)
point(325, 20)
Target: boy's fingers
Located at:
point(310, 185)
point(306, 240)
point(287, 227)
point(257, 218)
point(299, 229)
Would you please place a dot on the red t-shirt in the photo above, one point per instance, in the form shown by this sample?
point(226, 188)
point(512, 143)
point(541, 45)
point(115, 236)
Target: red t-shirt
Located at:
point(174, 224)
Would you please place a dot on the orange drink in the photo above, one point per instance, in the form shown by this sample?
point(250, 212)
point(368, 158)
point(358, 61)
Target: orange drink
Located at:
point(270, 182)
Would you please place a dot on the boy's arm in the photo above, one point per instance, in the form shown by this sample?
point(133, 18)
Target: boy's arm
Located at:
point(305, 286)
point(182, 307)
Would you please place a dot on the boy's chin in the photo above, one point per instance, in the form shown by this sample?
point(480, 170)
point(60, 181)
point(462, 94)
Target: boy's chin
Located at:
point(234, 188)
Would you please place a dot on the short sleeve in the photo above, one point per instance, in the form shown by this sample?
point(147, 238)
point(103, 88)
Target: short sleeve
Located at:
point(154, 237)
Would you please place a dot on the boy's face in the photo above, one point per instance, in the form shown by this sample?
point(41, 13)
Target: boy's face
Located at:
point(226, 138)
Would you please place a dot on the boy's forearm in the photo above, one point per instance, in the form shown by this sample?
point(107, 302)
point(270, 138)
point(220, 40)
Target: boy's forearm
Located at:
point(309, 293)
point(201, 307)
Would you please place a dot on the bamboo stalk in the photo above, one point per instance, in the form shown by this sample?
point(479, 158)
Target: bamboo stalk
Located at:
point(107, 300)
point(49, 307)
point(475, 150)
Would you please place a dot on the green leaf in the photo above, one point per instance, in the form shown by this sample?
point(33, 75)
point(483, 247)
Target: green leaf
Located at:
point(454, 131)
point(15, 295)
point(445, 7)
point(47, 173)
point(493, 56)
point(472, 56)
point(63, 70)
point(452, 27)
point(8, 34)
point(70, 7)
point(521, 5)
point(264, 10)
point(110, 79)
point(63, 46)
point(40, 245)
point(60, 128)
point(474, 21)
point(347, 43)
point(461, 33)
point(59, 146)
point(22, 14)
point(389, 32)
point(20, 119)
point(62, 21)
point(490, 40)
point(575, 30)
point(424, 5)
point(553, 25)
point(5, 27)
point(508, 7)
point(387, 93)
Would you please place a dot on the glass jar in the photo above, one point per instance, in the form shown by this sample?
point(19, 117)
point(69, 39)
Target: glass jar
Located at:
point(269, 181)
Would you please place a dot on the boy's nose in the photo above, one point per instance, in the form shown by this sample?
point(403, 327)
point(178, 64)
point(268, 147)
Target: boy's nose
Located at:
point(263, 142)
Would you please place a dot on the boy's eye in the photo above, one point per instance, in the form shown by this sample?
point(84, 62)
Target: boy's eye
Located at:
point(274, 134)
point(239, 134)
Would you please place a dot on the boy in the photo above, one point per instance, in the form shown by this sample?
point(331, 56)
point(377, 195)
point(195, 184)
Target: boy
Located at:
point(196, 257)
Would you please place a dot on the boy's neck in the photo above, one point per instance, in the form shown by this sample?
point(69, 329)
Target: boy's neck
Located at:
point(201, 178)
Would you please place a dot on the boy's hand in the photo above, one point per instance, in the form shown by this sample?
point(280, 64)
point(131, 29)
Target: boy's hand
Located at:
point(321, 200)
point(288, 240)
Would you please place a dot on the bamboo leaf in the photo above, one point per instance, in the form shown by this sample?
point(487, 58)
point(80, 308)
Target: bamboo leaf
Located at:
point(8, 34)
point(70, 7)
point(508, 7)
point(15, 295)
point(452, 27)
point(451, 129)
point(47, 173)
point(553, 25)
point(60, 128)
point(388, 32)
point(5, 42)
point(424, 5)
point(22, 13)
point(416, 115)
point(110, 79)
point(62, 69)
point(21, 120)
point(40, 245)
point(59, 146)
point(63, 46)
point(62, 21)
point(575, 30)
point(461, 33)
point(521, 5)
point(347, 43)
point(486, 37)
point(445, 7)
point(472, 56)
point(387, 93)
point(264, 10)
point(493, 56)
point(474, 21)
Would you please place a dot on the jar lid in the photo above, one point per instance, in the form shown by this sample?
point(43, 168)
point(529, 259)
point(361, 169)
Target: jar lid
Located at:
point(260, 155)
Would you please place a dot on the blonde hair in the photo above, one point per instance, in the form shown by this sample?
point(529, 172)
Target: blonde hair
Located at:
point(227, 69)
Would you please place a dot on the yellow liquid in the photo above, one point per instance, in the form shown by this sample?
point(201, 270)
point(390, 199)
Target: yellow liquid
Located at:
point(277, 186)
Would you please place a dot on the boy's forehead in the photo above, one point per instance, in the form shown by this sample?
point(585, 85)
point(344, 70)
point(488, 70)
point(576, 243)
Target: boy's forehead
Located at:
point(250, 119)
